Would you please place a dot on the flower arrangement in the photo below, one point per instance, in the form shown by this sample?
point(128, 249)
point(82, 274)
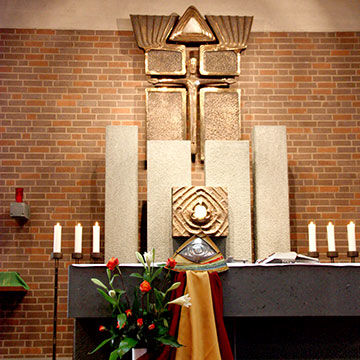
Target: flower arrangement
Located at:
point(144, 322)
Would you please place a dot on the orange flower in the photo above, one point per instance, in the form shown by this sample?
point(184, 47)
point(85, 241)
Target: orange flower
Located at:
point(151, 327)
point(128, 312)
point(102, 328)
point(145, 286)
point(170, 263)
point(139, 322)
point(112, 263)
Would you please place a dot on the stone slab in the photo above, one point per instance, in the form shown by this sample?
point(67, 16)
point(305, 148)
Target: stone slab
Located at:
point(227, 164)
point(168, 165)
point(121, 193)
point(271, 190)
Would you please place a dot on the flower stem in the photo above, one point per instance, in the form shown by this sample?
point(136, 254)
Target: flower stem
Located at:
point(123, 284)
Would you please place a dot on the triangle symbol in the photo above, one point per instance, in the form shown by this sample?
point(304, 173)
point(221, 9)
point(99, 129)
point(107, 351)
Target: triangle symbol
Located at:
point(192, 28)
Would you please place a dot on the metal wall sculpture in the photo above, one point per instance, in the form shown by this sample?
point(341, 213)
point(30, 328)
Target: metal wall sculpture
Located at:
point(197, 55)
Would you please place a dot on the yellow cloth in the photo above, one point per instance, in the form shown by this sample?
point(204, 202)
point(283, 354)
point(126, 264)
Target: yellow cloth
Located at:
point(197, 328)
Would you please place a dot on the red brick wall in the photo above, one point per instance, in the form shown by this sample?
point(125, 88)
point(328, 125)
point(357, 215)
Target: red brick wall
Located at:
point(58, 91)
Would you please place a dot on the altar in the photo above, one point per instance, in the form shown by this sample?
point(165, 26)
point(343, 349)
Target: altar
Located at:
point(271, 311)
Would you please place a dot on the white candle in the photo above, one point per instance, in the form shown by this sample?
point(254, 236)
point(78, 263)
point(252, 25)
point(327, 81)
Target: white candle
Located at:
point(57, 238)
point(351, 236)
point(312, 237)
point(78, 238)
point(96, 238)
point(331, 236)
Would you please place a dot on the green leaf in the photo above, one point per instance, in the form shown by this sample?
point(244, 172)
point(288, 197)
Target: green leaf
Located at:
point(120, 292)
point(126, 345)
point(140, 258)
point(108, 272)
point(113, 278)
point(107, 297)
point(139, 276)
point(101, 345)
point(114, 355)
point(99, 283)
point(166, 324)
point(121, 318)
point(156, 274)
point(168, 340)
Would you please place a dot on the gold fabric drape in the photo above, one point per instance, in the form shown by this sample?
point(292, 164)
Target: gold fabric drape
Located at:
point(197, 328)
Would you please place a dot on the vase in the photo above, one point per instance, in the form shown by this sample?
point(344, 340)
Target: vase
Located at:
point(137, 352)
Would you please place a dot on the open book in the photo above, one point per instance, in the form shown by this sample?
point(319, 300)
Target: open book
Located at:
point(287, 258)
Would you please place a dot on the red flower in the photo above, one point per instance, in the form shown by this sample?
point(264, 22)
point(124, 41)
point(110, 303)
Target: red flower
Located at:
point(145, 286)
point(102, 328)
point(139, 322)
point(128, 312)
point(112, 263)
point(118, 325)
point(151, 327)
point(170, 263)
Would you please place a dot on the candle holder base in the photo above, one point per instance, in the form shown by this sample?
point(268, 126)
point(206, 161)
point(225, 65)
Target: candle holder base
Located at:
point(352, 255)
point(314, 254)
point(95, 256)
point(332, 255)
point(76, 255)
point(55, 255)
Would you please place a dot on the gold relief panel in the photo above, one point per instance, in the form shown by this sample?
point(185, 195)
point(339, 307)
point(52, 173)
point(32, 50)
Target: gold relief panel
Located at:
point(218, 61)
point(219, 115)
point(167, 60)
point(165, 113)
point(199, 210)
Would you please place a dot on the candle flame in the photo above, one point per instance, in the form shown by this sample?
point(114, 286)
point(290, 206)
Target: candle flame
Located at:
point(96, 224)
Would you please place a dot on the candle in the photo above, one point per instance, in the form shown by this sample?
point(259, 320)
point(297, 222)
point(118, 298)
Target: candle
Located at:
point(96, 238)
point(78, 238)
point(331, 237)
point(57, 238)
point(312, 237)
point(351, 236)
point(19, 192)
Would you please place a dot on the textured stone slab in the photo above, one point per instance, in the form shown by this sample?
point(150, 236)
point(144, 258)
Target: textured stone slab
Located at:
point(121, 193)
point(227, 164)
point(169, 164)
point(219, 114)
point(271, 190)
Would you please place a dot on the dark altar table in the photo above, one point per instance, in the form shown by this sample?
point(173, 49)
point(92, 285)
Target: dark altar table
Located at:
point(271, 311)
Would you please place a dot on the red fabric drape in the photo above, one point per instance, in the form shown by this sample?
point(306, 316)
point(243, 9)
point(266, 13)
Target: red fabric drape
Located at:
point(217, 298)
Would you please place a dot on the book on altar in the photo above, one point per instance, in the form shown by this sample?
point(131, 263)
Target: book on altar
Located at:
point(287, 258)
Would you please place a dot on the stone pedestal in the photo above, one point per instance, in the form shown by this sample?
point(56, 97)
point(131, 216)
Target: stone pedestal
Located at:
point(121, 195)
point(271, 190)
point(169, 165)
point(227, 165)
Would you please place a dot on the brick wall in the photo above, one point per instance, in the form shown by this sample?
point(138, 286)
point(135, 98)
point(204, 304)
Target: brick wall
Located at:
point(58, 91)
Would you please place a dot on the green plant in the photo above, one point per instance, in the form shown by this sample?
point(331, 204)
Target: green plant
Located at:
point(145, 321)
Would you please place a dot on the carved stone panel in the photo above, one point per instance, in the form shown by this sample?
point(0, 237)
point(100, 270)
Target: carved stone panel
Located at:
point(219, 115)
point(166, 113)
point(199, 210)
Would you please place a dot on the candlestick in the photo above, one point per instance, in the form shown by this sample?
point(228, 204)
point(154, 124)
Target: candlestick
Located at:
point(78, 238)
point(352, 255)
point(56, 256)
point(332, 255)
point(57, 238)
point(351, 236)
point(96, 238)
point(331, 237)
point(312, 237)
